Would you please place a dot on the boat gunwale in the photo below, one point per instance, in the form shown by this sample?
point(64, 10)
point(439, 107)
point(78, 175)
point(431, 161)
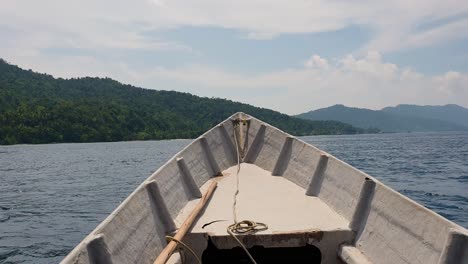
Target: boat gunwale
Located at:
point(96, 232)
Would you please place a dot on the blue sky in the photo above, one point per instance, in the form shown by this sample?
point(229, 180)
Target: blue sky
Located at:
point(290, 56)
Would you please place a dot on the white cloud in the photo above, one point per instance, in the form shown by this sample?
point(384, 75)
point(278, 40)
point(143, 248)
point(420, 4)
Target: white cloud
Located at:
point(363, 82)
point(119, 23)
point(403, 35)
point(316, 62)
point(261, 35)
point(366, 81)
point(362, 79)
point(444, 33)
point(370, 65)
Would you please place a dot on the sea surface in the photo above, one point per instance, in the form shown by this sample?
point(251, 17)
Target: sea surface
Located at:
point(52, 196)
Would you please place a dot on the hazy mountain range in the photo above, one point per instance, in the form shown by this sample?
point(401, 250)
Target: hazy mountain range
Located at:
point(400, 118)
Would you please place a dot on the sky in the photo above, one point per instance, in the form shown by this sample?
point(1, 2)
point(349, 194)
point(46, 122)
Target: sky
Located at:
point(290, 56)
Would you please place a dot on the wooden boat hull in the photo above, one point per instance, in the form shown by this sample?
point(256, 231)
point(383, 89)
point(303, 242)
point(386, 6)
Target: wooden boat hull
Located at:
point(306, 196)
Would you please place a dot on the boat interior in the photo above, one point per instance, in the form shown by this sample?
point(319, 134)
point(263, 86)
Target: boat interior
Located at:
point(312, 208)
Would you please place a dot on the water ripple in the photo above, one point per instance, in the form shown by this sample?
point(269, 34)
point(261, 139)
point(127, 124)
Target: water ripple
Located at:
point(52, 196)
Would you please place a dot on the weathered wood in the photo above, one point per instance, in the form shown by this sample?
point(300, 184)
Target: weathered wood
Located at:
point(169, 249)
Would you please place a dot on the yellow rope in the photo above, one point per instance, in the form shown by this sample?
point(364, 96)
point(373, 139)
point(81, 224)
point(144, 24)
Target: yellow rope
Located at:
point(246, 226)
point(243, 227)
point(169, 238)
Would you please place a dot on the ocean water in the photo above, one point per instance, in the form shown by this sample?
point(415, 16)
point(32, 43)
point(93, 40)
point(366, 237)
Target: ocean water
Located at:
point(52, 196)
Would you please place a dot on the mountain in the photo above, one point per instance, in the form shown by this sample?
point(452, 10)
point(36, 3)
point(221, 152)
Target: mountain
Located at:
point(38, 108)
point(451, 112)
point(394, 119)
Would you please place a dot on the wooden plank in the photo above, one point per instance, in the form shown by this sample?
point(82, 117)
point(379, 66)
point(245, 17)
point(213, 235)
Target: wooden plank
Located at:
point(169, 249)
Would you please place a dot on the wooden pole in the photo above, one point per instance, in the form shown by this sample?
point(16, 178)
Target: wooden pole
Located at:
point(169, 249)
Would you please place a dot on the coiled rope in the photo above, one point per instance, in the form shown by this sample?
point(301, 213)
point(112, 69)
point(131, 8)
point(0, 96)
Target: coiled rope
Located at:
point(246, 226)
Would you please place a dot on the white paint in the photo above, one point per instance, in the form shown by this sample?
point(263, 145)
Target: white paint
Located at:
point(390, 228)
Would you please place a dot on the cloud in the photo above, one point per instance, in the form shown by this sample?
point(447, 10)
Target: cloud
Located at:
point(371, 66)
point(362, 81)
point(444, 33)
point(262, 35)
point(403, 35)
point(316, 62)
point(396, 24)
point(95, 34)
point(88, 26)
point(366, 81)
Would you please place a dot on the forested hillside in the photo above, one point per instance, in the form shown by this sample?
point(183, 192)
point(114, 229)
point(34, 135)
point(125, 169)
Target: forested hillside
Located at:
point(38, 108)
